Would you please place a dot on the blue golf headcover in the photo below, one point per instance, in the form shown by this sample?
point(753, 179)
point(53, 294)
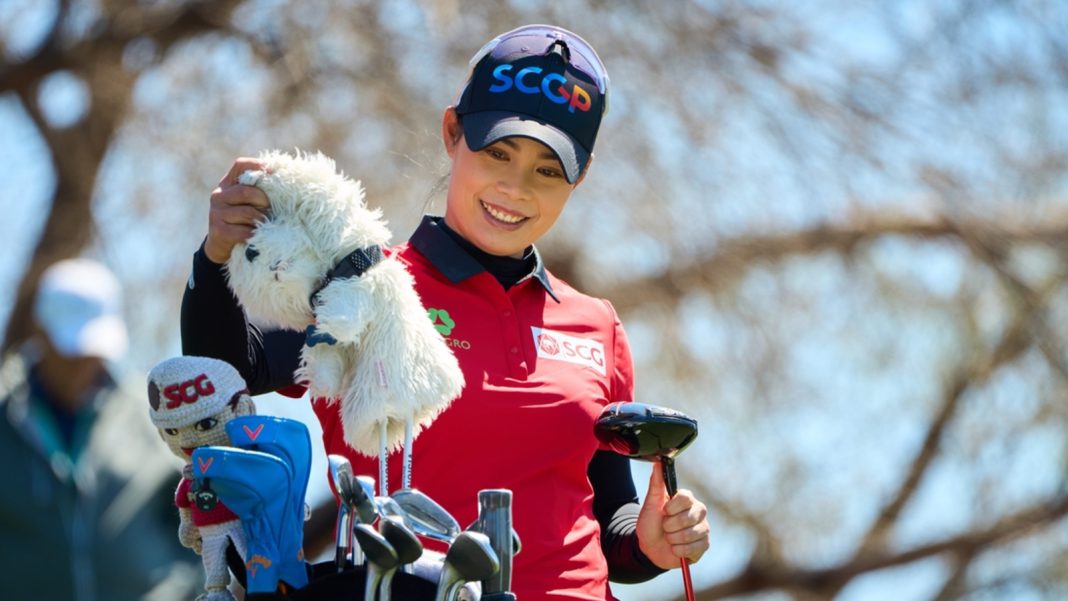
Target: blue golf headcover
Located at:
point(288, 440)
point(256, 487)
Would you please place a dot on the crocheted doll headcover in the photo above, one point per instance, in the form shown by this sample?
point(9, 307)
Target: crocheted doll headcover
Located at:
point(185, 390)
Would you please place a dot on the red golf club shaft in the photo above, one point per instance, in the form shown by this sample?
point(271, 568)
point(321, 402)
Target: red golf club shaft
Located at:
point(671, 483)
point(686, 579)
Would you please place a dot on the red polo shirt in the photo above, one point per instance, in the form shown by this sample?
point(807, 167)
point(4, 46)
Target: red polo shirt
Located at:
point(540, 361)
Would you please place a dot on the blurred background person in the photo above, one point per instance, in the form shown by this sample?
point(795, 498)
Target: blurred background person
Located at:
point(86, 511)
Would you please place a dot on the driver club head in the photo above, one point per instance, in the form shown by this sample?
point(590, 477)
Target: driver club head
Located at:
point(642, 431)
point(652, 433)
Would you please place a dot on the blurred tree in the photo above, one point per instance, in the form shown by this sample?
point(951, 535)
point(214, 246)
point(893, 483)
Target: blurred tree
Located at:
point(836, 232)
point(88, 50)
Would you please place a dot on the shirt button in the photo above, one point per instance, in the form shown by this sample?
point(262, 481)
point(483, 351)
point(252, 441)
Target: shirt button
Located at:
point(515, 350)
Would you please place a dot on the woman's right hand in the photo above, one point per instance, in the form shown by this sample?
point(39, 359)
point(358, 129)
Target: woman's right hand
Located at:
point(235, 209)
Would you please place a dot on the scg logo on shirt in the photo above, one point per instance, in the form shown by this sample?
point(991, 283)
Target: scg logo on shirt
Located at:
point(563, 347)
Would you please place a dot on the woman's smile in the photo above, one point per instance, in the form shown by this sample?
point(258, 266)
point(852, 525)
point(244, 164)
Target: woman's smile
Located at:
point(502, 217)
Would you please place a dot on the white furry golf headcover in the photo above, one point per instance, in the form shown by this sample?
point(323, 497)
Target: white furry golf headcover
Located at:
point(372, 345)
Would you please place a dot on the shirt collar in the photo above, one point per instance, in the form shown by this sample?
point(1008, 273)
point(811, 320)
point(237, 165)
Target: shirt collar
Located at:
point(541, 275)
point(453, 261)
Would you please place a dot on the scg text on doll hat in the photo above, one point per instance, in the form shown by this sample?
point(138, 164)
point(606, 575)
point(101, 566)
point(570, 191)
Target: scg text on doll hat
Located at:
point(185, 390)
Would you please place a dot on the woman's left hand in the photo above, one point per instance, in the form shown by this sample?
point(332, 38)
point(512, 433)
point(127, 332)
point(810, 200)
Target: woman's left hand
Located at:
point(670, 529)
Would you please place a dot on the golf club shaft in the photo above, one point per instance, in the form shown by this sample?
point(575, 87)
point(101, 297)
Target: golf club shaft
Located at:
point(671, 482)
point(383, 476)
point(371, 581)
point(354, 545)
point(343, 543)
point(406, 473)
point(686, 581)
point(448, 577)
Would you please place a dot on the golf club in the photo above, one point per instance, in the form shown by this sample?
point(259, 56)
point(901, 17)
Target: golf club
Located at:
point(383, 461)
point(469, 558)
point(408, 548)
point(381, 556)
point(495, 521)
point(650, 433)
point(363, 492)
point(388, 508)
point(341, 473)
point(429, 519)
point(406, 472)
point(425, 516)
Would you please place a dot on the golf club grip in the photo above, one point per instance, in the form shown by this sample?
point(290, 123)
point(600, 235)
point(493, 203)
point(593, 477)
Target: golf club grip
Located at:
point(495, 521)
point(671, 481)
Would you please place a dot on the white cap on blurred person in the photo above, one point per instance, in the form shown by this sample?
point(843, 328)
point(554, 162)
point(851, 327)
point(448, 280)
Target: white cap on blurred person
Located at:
point(79, 307)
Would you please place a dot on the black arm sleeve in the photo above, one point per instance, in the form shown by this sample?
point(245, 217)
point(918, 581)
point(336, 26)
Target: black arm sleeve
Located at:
point(616, 507)
point(214, 325)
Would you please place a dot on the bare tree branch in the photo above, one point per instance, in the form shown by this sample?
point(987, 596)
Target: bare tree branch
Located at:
point(1012, 344)
point(952, 587)
point(760, 578)
point(78, 150)
point(734, 257)
point(993, 248)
